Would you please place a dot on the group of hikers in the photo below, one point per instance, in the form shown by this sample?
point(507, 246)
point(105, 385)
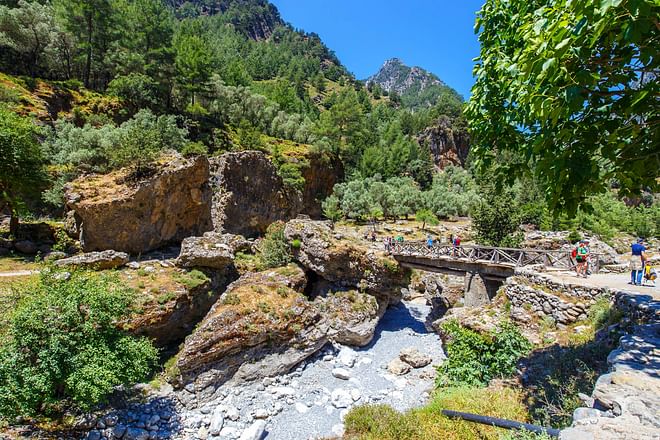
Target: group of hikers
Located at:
point(389, 242)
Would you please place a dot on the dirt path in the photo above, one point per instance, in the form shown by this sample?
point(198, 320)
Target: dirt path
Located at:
point(18, 273)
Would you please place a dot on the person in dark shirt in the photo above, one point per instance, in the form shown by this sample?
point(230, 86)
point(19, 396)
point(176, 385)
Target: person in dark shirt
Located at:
point(637, 262)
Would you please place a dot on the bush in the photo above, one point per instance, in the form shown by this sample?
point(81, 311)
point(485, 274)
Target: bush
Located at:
point(63, 345)
point(474, 358)
point(496, 220)
point(194, 149)
point(275, 250)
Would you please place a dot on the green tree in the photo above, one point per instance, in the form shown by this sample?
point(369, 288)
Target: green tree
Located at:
point(63, 345)
point(28, 29)
point(136, 89)
point(93, 22)
point(331, 209)
point(20, 161)
point(274, 250)
point(570, 89)
point(496, 219)
point(426, 216)
point(193, 58)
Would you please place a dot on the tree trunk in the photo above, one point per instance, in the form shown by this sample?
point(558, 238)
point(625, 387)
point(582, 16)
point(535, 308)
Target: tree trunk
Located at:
point(88, 62)
point(13, 221)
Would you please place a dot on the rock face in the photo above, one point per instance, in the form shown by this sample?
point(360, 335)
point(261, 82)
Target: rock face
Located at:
point(173, 316)
point(259, 327)
point(212, 250)
point(320, 175)
point(249, 195)
point(448, 143)
point(344, 263)
point(172, 204)
point(96, 260)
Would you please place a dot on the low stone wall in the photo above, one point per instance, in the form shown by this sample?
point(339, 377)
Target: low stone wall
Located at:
point(625, 402)
point(531, 293)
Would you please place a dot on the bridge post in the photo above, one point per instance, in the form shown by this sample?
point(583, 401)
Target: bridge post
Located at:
point(479, 290)
point(476, 293)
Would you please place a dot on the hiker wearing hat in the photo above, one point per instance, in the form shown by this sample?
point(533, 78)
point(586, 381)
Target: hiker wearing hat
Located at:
point(637, 261)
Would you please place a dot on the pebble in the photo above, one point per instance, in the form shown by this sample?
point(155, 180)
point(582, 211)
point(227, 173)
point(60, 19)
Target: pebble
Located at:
point(301, 407)
point(341, 373)
point(255, 431)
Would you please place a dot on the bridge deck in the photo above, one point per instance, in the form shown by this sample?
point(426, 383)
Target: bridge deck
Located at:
point(461, 258)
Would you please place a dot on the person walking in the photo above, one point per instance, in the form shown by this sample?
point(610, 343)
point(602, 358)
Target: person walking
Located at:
point(637, 260)
point(429, 241)
point(581, 257)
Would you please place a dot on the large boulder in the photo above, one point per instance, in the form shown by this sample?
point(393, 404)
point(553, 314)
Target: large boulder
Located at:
point(352, 316)
point(114, 212)
point(249, 195)
point(344, 262)
point(321, 174)
point(259, 327)
point(95, 260)
point(212, 250)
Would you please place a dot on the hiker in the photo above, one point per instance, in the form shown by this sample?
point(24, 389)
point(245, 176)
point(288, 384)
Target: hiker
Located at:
point(587, 263)
point(450, 239)
point(429, 241)
point(581, 255)
point(455, 244)
point(637, 261)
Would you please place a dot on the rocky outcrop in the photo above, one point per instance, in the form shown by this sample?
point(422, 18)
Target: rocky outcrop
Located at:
point(181, 303)
point(114, 213)
point(95, 260)
point(249, 195)
point(352, 316)
point(321, 174)
point(345, 263)
point(212, 250)
point(625, 401)
point(448, 143)
point(260, 327)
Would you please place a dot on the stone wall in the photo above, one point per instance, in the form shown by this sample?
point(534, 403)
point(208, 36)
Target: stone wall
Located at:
point(536, 294)
point(625, 401)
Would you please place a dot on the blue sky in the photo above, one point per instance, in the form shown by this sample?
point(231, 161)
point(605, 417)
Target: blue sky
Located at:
point(434, 34)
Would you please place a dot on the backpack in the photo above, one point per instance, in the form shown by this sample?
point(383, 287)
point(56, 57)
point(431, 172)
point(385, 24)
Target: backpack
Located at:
point(574, 252)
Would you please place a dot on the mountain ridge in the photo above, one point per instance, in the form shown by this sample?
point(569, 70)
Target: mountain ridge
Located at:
point(416, 86)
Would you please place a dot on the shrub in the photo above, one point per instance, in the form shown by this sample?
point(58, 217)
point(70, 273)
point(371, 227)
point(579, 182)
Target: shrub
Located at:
point(275, 250)
point(496, 220)
point(192, 279)
point(474, 358)
point(194, 149)
point(63, 345)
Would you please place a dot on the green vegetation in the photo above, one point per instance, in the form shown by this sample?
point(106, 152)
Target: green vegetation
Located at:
point(474, 358)
point(192, 279)
point(381, 422)
point(497, 219)
point(275, 250)
point(63, 347)
point(20, 166)
point(566, 91)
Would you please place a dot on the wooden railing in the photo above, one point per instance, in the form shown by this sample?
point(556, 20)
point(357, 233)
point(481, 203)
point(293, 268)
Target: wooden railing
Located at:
point(494, 255)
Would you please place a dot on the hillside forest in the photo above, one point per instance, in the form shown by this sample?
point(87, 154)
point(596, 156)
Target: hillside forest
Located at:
point(90, 86)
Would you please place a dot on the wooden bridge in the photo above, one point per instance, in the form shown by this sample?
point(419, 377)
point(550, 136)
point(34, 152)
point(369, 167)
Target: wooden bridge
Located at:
point(484, 267)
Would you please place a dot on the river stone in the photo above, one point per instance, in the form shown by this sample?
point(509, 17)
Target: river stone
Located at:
point(414, 358)
point(341, 373)
point(398, 367)
point(217, 421)
point(255, 431)
point(341, 398)
point(136, 434)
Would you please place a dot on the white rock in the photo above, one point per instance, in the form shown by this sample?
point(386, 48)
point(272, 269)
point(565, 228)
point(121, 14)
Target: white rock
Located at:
point(328, 358)
point(366, 361)
point(341, 398)
point(398, 367)
point(400, 383)
point(229, 432)
point(347, 357)
point(341, 373)
point(338, 429)
point(255, 431)
point(284, 391)
point(356, 395)
point(133, 265)
point(342, 414)
point(260, 413)
point(217, 421)
point(232, 413)
point(301, 407)
point(414, 358)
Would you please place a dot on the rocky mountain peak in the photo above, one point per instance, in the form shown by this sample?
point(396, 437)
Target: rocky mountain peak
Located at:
point(395, 76)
